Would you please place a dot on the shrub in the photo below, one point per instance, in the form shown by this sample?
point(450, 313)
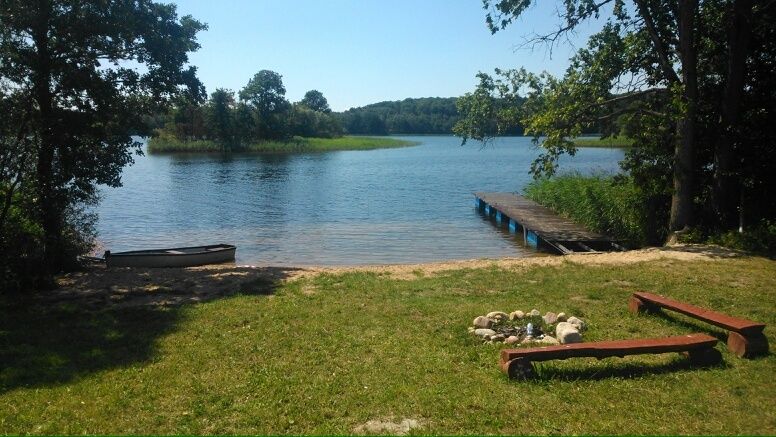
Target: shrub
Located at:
point(760, 238)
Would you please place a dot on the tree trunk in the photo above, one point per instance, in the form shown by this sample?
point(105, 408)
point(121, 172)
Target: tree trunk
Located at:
point(726, 178)
point(682, 199)
point(50, 215)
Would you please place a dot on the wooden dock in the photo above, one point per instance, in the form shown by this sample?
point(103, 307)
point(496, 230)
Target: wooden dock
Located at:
point(541, 227)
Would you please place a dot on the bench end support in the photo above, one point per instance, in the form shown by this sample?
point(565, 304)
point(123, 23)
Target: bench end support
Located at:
point(747, 346)
point(518, 369)
point(638, 306)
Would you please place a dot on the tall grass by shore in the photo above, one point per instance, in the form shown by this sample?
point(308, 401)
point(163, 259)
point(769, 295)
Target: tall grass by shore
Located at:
point(167, 144)
point(614, 142)
point(600, 203)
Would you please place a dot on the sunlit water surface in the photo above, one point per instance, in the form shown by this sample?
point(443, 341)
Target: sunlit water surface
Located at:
point(402, 205)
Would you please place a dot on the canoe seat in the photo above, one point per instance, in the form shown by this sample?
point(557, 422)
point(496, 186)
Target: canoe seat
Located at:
point(698, 347)
point(745, 338)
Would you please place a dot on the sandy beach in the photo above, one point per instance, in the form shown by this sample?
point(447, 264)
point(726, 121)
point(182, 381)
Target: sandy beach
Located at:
point(99, 287)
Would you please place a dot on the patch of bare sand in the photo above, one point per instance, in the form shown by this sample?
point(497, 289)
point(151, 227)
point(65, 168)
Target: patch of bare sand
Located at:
point(655, 254)
point(387, 427)
point(101, 287)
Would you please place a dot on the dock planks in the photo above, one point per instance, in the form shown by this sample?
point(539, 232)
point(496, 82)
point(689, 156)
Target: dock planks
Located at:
point(538, 221)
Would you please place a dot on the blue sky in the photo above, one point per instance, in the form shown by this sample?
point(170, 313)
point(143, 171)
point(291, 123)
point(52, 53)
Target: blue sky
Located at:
point(358, 52)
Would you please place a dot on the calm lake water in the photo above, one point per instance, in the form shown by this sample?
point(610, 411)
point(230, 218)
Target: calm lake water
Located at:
point(358, 207)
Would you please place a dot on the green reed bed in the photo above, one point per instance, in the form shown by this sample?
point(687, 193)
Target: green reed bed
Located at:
point(616, 142)
point(601, 203)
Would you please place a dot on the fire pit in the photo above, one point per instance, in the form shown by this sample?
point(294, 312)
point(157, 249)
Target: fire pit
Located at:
point(531, 328)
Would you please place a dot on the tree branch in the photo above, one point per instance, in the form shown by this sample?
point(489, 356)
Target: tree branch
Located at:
point(571, 23)
point(660, 48)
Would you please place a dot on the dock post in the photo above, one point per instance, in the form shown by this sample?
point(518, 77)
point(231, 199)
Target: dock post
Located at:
point(533, 239)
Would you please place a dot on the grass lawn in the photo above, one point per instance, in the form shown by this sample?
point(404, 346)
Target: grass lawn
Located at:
point(294, 145)
point(618, 142)
point(328, 353)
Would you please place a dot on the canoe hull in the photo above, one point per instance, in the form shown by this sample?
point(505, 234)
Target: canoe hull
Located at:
point(177, 257)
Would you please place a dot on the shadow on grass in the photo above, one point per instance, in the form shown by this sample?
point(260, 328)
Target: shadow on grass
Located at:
point(53, 338)
point(691, 324)
point(699, 326)
point(603, 370)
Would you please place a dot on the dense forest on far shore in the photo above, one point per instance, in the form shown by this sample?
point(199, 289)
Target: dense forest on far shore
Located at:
point(426, 115)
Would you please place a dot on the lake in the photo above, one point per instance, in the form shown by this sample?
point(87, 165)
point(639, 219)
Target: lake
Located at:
point(403, 205)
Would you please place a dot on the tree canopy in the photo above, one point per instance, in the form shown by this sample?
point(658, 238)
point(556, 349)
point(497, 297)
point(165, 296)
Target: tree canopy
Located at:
point(686, 80)
point(77, 79)
point(262, 113)
point(315, 100)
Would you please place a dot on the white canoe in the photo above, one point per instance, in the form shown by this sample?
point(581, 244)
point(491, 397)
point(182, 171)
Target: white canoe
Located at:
point(177, 257)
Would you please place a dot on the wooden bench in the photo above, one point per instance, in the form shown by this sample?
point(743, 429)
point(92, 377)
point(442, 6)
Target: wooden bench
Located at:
point(698, 347)
point(745, 337)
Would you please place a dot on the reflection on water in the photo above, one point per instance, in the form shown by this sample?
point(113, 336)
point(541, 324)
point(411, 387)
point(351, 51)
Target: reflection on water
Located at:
point(362, 207)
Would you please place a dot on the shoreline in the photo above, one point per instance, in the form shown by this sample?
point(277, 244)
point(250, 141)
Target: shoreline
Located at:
point(101, 288)
point(169, 146)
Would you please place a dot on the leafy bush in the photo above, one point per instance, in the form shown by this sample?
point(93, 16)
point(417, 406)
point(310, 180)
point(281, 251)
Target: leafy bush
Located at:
point(760, 238)
point(21, 237)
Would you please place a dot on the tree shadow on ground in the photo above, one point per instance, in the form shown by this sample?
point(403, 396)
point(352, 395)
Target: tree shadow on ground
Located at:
point(99, 320)
point(600, 370)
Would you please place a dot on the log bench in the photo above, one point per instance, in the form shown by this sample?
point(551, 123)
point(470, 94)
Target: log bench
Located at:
point(745, 337)
point(699, 348)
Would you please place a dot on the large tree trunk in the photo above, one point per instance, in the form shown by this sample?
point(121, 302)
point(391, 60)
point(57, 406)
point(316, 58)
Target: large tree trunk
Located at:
point(682, 199)
point(727, 187)
point(50, 214)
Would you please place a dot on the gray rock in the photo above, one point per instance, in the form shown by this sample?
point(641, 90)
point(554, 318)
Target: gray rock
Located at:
point(511, 339)
point(497, 315)
point(528, 339)
point(566, 333)
point(516, 315)
point(562, 317)
point(498, 337)
point(578, 323)
point(534, 312)
point(550, 318)
point(561, 326)
point(483, 332)
point(482, 322)
point(549, 341)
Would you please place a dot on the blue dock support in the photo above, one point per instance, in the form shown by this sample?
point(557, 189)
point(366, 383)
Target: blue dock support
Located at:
point(512, 226)
point(532, 239)
point(541, 227)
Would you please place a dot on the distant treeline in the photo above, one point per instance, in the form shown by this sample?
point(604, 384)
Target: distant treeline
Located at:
point(427, 115)
point(260, 112)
